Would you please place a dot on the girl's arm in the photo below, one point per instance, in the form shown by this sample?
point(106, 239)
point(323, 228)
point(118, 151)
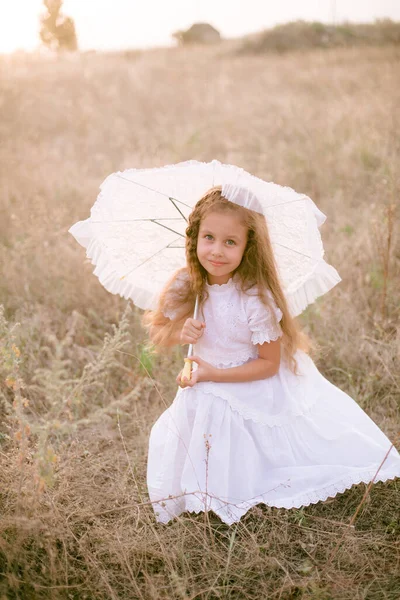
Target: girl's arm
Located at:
point(266, 365)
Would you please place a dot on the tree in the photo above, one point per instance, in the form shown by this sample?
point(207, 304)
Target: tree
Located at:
point(56, 30)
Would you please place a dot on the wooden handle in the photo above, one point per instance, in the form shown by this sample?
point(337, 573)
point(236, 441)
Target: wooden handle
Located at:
point(187, 369)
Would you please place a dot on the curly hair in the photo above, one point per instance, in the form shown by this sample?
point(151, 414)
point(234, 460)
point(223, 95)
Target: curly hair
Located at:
point(257, 268)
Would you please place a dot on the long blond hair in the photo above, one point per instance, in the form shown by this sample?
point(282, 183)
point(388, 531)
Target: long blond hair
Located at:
point(257, 268)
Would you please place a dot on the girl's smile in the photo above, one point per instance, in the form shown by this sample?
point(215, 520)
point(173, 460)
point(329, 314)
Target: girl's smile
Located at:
point(216, 264)
point(221, 243)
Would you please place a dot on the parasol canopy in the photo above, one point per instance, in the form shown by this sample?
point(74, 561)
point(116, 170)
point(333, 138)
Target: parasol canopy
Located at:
point(135, 235)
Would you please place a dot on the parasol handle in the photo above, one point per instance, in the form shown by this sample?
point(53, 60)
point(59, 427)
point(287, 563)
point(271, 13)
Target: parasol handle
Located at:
point(187, 367)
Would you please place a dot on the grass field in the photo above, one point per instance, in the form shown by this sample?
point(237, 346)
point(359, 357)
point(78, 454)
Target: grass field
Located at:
point(76, 397)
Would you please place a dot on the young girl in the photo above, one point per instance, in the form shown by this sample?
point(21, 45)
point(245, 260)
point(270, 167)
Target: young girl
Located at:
point(256, 422)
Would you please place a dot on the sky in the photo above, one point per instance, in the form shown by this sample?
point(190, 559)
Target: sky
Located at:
point(118, 24)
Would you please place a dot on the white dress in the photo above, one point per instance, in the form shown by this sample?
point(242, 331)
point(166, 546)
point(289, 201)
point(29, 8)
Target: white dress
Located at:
point(285, 441)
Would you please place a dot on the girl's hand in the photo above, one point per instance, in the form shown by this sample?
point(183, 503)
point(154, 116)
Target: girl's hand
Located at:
point(192, 330)
point(204, 372)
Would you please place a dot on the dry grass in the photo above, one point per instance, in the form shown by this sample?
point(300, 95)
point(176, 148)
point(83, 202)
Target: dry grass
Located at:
point(77, 405)
point(302, 35)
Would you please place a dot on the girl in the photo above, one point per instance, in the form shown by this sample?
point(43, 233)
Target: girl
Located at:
point(256, 422)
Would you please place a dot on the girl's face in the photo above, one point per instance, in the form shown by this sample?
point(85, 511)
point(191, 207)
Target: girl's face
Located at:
point(221, 243)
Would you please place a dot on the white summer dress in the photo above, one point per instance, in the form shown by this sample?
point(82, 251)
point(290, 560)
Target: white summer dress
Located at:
point(285, 441)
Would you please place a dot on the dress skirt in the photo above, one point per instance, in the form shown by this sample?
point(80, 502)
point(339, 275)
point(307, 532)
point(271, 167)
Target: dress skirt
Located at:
point(287, 441)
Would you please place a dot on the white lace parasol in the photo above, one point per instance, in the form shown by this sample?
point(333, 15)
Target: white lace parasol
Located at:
point(135, 235)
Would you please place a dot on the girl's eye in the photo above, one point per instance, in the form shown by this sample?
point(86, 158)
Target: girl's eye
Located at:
point(230, 242)
point(208, 236)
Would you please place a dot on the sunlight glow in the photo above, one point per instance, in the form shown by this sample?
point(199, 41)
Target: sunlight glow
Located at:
point(116, 24)
point(19, 25)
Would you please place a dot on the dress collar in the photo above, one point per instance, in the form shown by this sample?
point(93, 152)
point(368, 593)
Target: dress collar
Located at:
point(218, 288)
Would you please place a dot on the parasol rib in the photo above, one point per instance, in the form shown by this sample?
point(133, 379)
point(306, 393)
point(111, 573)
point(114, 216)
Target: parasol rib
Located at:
point(153, 190)
point(136, 220)
point(288, 202)
point(178, 209)
point(297, 251)
point(173, 200)
point(155, 221)
point(150, 257)
point(165, 227)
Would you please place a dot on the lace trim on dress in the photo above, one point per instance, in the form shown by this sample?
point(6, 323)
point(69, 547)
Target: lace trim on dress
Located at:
point(260, 337)
point(230, 513)
point(226, 362)
point(221, 286)
point(254, 415)
point(247, 412)
point(263, 322)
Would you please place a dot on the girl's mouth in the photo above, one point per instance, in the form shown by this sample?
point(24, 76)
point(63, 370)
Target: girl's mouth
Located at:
point(216, 264)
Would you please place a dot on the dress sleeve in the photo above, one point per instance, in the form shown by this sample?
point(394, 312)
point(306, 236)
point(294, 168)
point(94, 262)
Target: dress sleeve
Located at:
point(263, 321)
point(174, 307)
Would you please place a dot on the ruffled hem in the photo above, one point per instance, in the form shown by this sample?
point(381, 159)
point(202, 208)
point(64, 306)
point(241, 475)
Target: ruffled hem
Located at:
point(110, 279)
point(260, 337)
point(321, 281)
point(231, 513)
